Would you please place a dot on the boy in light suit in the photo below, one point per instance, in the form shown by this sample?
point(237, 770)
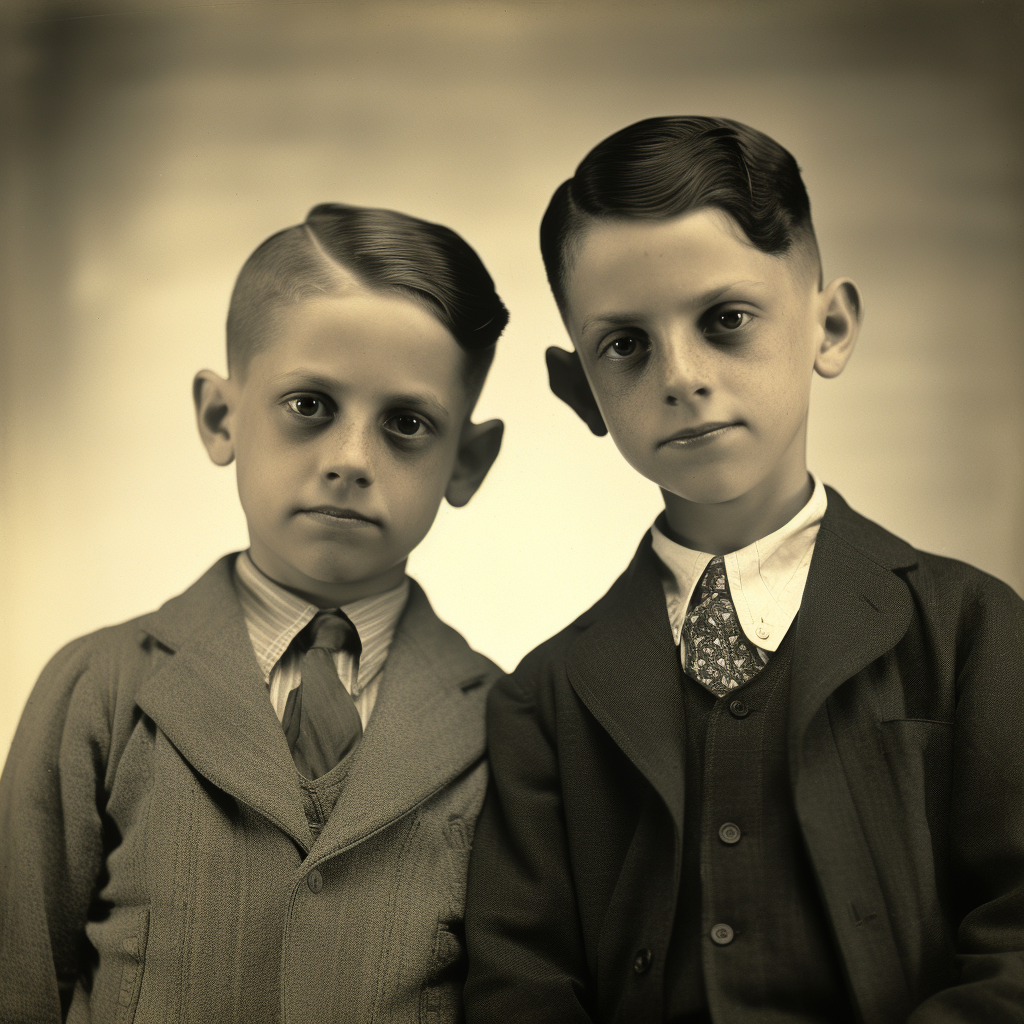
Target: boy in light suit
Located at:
point(256, 804)
point(776, 774)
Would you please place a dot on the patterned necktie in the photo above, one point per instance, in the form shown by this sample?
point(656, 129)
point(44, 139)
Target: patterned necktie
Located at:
point(320, 719)
point(718, 655)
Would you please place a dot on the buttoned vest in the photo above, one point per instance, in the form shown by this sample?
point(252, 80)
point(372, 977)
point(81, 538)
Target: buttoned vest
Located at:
point(751, 940)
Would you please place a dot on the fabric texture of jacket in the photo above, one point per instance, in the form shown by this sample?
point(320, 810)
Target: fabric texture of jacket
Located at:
point(156, 863)
point(906, 765)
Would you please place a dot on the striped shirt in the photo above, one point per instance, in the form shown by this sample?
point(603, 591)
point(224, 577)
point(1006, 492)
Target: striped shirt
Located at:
point(274, 616)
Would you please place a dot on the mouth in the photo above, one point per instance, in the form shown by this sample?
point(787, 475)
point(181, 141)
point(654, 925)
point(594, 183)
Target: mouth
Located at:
point(706, 432)
point(343, 517)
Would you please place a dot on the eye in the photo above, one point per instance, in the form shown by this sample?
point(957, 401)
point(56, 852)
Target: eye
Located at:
point(309, 407)
point(407, 425)
point(625, 346)
point(727, 321)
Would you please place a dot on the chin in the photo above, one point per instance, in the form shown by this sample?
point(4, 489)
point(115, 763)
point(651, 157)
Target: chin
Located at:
point(709, 489)
point(337, 571)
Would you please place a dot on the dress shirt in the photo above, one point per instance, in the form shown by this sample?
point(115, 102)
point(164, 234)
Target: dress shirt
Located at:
point(766, 578)
point(274, 617)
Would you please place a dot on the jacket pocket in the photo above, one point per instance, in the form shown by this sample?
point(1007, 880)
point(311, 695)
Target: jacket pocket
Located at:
point(919, 756)
point(919, 753)
point(441, 999)
point(120, 941)
point(458, 836)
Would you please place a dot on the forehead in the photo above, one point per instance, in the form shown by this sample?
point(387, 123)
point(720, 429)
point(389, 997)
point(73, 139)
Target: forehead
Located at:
point(380, 340)
point(624, 267)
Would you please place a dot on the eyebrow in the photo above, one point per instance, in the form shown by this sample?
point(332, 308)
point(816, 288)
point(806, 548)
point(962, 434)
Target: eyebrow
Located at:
point(631, 319)
point(427, 403)
point(310, 379)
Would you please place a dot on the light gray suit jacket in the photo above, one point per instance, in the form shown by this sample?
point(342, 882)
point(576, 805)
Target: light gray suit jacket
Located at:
point(155, 860)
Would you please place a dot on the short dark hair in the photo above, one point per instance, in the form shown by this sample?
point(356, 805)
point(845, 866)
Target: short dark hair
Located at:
point(384, 251)
point(666, 166)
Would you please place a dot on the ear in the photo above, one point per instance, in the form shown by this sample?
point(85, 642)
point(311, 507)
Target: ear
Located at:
point(478, 448)
point(570, 384)
point(214, 400)
point(841, 316)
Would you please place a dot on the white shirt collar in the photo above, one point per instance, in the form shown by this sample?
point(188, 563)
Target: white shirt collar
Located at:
point(766, 578)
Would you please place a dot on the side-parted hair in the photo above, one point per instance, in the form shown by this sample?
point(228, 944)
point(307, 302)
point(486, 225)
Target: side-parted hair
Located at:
point(666, 166)
point(384, 251)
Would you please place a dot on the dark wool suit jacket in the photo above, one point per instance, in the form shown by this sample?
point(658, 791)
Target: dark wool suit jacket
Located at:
point(156, 863)
point(906, 761)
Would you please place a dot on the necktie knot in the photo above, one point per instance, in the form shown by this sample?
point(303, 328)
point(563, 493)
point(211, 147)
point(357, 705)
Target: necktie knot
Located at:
point(332, 631)
point(713, 582)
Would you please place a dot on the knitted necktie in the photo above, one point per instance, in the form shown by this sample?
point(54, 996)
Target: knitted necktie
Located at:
point(718, 655)
point(320, 719)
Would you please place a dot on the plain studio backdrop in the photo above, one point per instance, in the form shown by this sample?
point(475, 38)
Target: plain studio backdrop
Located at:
point(150, 146)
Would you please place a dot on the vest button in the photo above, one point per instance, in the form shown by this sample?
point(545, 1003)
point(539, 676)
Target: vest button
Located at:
point(642, 961)
point(738, 709)
point(315, 881)
point(721, 935)
point(729, 833)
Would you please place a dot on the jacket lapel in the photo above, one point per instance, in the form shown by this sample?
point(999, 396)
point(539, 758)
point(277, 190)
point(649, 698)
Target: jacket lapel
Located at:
point(211, 701)
point(427, 728)
point(854, 608)
point(625, 669)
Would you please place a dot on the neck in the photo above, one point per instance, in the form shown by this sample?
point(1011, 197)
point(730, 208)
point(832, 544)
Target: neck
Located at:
point(727, 526)
point(321, 593)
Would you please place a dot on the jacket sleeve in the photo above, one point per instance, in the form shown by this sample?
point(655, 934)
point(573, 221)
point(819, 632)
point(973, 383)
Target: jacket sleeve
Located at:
point(51, 847)
point(987, 834)
point(523, 936)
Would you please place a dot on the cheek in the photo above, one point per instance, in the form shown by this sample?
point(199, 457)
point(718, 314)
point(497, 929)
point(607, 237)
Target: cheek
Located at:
point(778, 385)
point(415, 485)
point(626, 403)
point(268, 473)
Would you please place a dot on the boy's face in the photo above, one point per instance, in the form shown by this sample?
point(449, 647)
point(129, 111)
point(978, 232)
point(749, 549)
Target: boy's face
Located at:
point(348, 428)
point(699, 350)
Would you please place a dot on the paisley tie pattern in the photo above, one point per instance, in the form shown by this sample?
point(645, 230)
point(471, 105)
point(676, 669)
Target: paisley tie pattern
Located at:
point(718, 654)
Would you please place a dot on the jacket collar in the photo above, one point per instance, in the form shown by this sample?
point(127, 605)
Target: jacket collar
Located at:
point(624, 665)
point(210, 699)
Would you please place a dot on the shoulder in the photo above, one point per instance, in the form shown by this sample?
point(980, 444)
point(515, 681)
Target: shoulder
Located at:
point(968, 607)
point(943, 587)
point(422, 635)
point(106, 659)
point(545, 665)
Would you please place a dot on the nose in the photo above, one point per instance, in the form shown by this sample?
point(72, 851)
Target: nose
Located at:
point(348, 456)
point(685, 369)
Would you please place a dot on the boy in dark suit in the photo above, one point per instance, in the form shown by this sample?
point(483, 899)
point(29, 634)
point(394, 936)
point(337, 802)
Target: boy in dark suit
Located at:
point(257, 803)
point(776, 774)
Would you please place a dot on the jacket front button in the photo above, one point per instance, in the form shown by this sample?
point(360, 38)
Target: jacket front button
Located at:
point(721, 935)
point(642, 961)
point(315, 881)
point(739, 709)
point(729, 833)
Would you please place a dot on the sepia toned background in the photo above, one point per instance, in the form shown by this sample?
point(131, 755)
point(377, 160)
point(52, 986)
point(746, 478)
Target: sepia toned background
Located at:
point(148, 147)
